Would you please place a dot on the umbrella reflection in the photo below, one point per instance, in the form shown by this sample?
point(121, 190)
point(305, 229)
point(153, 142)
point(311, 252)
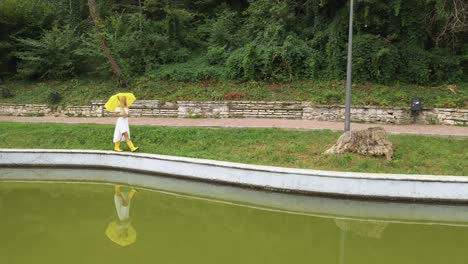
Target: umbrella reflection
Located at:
point(122, 232)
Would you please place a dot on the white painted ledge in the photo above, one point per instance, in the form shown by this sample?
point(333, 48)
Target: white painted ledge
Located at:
point(366, 185)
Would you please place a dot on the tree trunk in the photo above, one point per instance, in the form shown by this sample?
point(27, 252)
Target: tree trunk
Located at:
point(371, 142)
point(99, 25)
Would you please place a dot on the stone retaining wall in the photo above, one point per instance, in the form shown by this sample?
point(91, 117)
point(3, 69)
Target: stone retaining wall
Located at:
point(253, 109)
point(247, 109)
point(146, 108)
point(24, 109)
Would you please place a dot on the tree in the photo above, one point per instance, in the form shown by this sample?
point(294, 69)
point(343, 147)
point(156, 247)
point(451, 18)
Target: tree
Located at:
point(99, 28)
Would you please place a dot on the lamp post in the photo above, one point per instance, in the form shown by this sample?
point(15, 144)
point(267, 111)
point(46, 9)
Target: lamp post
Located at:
point(342, 246)
point(349, 70)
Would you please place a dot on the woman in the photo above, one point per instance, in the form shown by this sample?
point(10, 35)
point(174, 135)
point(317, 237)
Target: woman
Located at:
point(122, 232)
point(122, 131)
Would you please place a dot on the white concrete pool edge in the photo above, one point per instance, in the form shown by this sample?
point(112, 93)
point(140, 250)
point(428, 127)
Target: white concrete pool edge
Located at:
point(366, 185)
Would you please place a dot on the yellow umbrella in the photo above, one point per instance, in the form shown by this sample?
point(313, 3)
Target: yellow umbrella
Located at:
point(114, 101)
point(122, 234)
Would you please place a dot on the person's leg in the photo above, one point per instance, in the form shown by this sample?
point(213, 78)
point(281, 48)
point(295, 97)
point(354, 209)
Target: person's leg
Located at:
point(118, 201)
point(117, 190)
point(117, 147)
point(117, 137)
point(123, 199)
point(130, 143)
point(131, 194)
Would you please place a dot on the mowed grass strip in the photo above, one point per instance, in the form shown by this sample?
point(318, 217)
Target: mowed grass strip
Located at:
point(83, 91)
point(276, 147)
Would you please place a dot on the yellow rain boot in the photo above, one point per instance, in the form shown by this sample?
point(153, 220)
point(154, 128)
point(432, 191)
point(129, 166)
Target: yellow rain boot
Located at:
point(131, 194)
point(117, 147)
point(131, 146)
point(117, 189)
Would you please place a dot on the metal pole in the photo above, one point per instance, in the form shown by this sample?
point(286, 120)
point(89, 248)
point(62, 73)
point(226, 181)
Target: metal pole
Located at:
point(349, 70)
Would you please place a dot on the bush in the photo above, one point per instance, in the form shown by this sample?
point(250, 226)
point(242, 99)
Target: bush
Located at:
point(374, 59)
point(416, 65)
point(385, 63)
point(290, 61)
point(53, 56)
point(6, 92)
point(54, 98)
point(444, 67)
point(234, 64)
point(216, 55)
point(21, 19)
point(193, 71)
point(429, 67)
point(222, 30)
point(259, 61)
point(140, 44)
point(316, 63)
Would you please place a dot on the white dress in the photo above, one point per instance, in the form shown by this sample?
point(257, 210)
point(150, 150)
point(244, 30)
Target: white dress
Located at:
point(123, 212)
point(121, 126)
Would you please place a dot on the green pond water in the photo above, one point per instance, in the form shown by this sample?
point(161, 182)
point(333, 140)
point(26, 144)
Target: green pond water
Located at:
point(67, 223)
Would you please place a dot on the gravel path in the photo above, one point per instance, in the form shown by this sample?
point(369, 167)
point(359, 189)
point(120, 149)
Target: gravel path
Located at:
point(439, 130)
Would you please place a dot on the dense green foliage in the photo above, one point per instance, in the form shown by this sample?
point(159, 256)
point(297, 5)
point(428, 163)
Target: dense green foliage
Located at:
point(299, 149)
point(418, 41)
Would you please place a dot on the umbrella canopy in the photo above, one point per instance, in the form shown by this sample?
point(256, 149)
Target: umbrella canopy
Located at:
point(122, 234)
point(114, 101)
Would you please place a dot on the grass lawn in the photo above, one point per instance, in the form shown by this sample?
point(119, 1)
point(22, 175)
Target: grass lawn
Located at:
point(81, 92)
point(298, 149)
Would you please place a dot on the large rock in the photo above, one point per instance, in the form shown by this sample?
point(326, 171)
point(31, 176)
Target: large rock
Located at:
point(371, 142)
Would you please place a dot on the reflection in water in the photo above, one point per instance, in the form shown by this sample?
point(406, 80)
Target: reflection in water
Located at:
point(48, 222)
point(370, 229)
point(122, 232)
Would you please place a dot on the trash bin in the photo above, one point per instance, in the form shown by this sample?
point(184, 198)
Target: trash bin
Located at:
point(416, 105)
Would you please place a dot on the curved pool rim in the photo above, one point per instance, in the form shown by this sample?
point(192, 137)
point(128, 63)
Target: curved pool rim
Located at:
point(427, 188)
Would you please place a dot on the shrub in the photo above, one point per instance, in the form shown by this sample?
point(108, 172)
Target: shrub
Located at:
point(261, 61)
point(444, 67)
point(316, 63)
point(416, 65)
point(234, 64)
point(140, 44)
point(54, 98)
point(374, 59)
point(216, 55)
point(53, 56)
point(222, 30)
point(6, 92)
point(194, 70)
